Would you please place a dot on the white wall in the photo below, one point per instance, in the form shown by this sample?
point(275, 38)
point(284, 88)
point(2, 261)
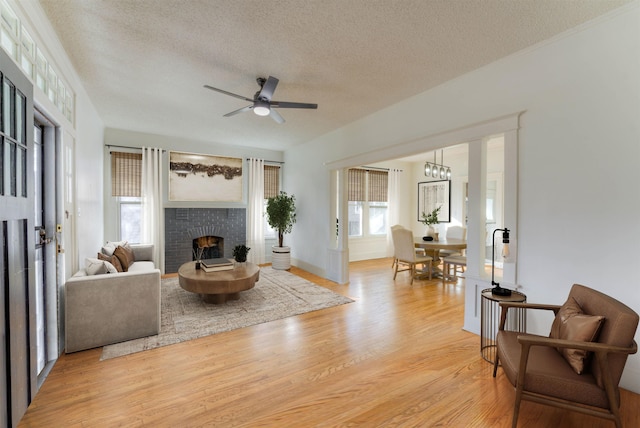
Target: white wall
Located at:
point(578, 159)
point(89, 179)
point(121, 137)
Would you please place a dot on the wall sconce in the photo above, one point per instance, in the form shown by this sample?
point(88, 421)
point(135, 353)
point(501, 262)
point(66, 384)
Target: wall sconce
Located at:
point(437, 170)
point(497, 290)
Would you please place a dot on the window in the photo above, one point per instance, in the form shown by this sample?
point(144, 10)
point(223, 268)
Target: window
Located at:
point(13, 146)
point(126, 179)
point(130, 216)
point(271, 189)
point(367, 193)
point(21, 47)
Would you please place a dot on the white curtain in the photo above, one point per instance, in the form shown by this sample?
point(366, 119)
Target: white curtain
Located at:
point(255, 211)
point(152, 210)
point(393, 208)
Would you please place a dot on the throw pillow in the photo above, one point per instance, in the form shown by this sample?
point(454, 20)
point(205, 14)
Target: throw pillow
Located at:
point(110, 247)
point(125, 255)
point(95, 266)
point(572, 323)
point(110, 267)
point(112, 260)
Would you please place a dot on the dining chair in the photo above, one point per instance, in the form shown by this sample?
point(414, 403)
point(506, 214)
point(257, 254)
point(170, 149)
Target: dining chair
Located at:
point(454, 262)
point(405, 253)
point(419, 251)
point(579, 366)
point(455, 232)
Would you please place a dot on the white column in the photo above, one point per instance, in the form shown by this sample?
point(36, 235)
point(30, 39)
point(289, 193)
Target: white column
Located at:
point(338, 253)
point(476, 217)
point(509, 276)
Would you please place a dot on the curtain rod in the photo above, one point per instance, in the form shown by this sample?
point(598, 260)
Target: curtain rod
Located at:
point(269, 161)
point(163, 151)
point(379, 169)
point(127, 147)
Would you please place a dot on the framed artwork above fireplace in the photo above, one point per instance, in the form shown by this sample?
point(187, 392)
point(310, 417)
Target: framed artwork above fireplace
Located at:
point(200, 177)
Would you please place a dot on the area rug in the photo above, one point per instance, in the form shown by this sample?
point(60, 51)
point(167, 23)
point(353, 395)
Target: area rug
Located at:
point(278, 294)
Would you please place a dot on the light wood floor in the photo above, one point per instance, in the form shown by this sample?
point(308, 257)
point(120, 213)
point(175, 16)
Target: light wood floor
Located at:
point(397, 356)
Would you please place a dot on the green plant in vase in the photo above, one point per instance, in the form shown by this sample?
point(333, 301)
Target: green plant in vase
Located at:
point(281, 216)
point(240, 253)
point(430, 219)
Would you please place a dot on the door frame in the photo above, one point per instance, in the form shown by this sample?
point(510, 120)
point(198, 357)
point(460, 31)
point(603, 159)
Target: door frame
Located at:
point(50, 203)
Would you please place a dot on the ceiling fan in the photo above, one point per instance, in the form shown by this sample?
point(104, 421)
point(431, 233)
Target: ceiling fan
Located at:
point(261, 102)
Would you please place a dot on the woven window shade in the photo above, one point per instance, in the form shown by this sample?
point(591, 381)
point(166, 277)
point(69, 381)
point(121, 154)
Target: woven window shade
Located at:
point(378, 186)
point(271, 181)
point(357, 184)
point(126, 174)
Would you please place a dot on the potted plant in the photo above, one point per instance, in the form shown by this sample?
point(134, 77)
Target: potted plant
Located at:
point(240, 253)
point(429, 220)
point(281, 215)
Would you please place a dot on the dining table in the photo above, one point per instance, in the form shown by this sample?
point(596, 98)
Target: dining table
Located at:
point(436, 246)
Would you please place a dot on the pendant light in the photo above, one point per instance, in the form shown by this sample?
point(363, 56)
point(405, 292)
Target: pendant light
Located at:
point(437, 170)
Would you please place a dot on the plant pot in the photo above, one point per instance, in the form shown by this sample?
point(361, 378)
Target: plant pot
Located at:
point(281, 258)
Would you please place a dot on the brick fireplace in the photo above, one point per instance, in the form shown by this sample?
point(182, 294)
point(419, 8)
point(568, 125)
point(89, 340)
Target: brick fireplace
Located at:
point(218, 230)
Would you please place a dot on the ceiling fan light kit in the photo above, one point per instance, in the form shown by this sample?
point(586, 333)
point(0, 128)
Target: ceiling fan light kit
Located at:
point(262, 104)
point(261, 108)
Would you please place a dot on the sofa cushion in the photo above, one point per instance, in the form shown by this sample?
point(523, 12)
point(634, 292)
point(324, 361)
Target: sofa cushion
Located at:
point(571, 323)
point(113, 260)
point(125, 255)
point(141, 266)
point(94, 266)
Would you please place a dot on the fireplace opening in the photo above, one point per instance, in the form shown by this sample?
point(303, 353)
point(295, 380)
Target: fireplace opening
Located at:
point(212, 247)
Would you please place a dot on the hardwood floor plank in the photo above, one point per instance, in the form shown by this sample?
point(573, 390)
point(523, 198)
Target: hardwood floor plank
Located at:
point(397, 356)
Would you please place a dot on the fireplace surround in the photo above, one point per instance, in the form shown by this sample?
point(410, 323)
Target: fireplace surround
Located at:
point(219, 229)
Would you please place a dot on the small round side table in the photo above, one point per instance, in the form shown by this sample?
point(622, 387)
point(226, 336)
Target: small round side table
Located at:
point(490, 320)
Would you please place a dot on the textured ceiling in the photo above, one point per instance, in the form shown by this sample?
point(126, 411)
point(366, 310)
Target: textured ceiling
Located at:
point(144, 62)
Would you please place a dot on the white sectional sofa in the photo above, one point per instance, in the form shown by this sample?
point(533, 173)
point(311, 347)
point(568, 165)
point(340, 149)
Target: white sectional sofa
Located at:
point(113, 307)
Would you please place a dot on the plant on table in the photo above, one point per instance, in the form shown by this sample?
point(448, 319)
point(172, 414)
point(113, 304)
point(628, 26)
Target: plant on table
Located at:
point(240, 253)
point(430, 219)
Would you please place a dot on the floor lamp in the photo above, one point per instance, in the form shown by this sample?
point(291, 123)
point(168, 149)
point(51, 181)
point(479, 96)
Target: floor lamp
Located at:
point(497, 290)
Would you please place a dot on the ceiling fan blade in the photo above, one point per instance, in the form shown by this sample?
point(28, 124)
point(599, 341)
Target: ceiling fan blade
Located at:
point(276, 116)
point(286, 104)
point(268, 88)
point(240, 110)
point(228, 93)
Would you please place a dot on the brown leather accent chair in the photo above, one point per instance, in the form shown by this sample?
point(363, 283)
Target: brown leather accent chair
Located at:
point(539, 372)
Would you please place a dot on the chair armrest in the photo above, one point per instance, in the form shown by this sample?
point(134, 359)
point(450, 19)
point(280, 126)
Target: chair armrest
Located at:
point(524, 305)
point(521, 305)
point(586, 346)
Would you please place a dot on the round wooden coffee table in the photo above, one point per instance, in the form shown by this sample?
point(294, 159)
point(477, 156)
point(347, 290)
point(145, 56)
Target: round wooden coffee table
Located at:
point(218, 287)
